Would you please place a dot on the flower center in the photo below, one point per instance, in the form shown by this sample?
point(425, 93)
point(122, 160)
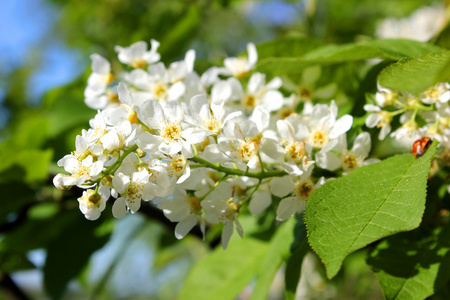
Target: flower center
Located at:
point(247, 150)
point(178, 164)
point(138, 63)
point(318, 139)
point(386, 119)
point(296, 151)
point(160, 91)
point(350, 162)
point(134, 192)
point(194, 204)
point(249, 101)
point(212, 125)
point(171, 132)
point(304, 188)
point(304, 93)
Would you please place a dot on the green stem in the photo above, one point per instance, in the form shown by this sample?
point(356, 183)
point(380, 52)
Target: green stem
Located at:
point(229, 171)
point(252, 193)
point(214, 186)
point(113, 168)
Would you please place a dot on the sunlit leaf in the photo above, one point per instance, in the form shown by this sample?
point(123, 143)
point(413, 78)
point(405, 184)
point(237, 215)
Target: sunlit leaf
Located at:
point(332, 54)
point(416, 74)
point(372, 202)
point(225, 273)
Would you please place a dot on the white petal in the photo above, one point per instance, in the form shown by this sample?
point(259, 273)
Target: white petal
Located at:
point(226, 234)
point(371, 107)
point(328, 160)
point(260, 201)
point(373, 120)
point(281, 186)
point(185, 226)
point(288, 207)
point(100, 65)
point(121, 182)
point(341, 126)
point(239, 228)
point(134, 205)
point(362, 144)
point(152, 114)
point(119, 210)
point(252, 54)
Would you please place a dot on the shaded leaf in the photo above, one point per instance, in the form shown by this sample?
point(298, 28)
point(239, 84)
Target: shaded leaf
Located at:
point(68, 254)
point(278, 251)
point(372, 202)
point(409, 266)
point(299, 248)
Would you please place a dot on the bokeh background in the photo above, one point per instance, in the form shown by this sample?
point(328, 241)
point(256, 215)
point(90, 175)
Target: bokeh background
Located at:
point(44, 63)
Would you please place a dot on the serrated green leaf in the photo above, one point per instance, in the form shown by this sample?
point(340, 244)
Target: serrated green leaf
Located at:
point(409, 266)
point(279, 250)
point(372, 202)
point(223, 274)
point(416, 74)
point(332, 54)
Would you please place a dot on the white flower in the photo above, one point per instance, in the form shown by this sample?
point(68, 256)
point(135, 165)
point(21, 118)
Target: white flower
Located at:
point(91, 204)
point(80, 164)
point(184, 209)
point(241, 66)
point(137, 55)
point(347, 159)
point(438, 93)
point(132, 189)
point(380, 118)
point(97, 94)
point(322, 127)
point(261, 94)
point(219, 207)
point(296, 151)
point(167, 120)
point(297, 189)
point(422, 25)
point(210, 118)
point(385, 96)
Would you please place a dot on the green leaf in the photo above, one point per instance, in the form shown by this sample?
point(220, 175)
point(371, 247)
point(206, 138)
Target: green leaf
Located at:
point(372, 202)
point(294, 264)
point(68, 112)
point(416, 74)
point(67, 255)
point(408, 267)
point(278, 251)
point(287, 47)
point(332, 54)
point(224, 274)
point(13, 262)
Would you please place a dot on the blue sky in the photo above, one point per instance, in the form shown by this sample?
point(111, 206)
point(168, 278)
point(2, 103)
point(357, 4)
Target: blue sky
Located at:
point(26, 39)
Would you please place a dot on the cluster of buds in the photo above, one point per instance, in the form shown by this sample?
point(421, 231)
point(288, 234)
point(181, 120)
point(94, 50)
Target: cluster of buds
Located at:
point(201, 147)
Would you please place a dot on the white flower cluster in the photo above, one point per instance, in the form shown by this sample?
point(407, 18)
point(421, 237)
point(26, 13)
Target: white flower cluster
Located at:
point(200, 147)
point(422, 25)
point(425, 115)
